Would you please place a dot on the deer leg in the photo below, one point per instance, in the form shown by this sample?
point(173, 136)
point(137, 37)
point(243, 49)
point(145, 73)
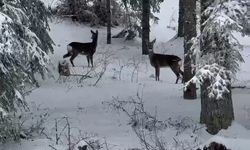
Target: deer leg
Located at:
point(66, 55)
point(157, 73)
point(178, 76)
point(91, 59)
point(72, 58)
point(88, 59)
point(182, 74)
point(176, 71)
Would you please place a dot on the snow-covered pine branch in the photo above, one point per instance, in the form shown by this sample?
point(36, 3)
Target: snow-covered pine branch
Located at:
point(218, 78)
point(24, 47)
point(222, 52)
point(223, 48)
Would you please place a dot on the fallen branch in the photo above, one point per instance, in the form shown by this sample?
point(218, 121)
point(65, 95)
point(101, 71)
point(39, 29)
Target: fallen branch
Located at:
point(52, 147)
point(240, 87)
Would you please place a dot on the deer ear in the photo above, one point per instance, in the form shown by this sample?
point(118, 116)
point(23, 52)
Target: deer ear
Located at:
point(154, 40)
point(96, 31)
point(92, 31)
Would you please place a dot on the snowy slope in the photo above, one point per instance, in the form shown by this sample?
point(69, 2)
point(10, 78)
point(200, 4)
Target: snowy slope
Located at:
point(82, 103)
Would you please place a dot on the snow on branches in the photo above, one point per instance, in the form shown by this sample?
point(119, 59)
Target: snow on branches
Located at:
point(220, 45)
point(24, 48)
point(227, 14)
point(217, 48)
point(217, 76)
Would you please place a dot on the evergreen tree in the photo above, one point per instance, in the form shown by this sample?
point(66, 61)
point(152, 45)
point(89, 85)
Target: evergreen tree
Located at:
point(144, 9)
point(24, 45)
point(181, 18)
point(90, 11)
point(220, 58)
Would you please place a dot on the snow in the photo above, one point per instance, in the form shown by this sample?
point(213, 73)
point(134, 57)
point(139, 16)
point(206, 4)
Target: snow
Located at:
point(4, 18)
point(217, 75)
point(3, 113)
point(167, 26)
point(51, 3)
point(83, 104)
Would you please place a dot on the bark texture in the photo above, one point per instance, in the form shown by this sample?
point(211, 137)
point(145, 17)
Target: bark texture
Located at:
point(181, 18)
point(216, 114)
point(189, 33)
point(109, 20)
point(145, 26)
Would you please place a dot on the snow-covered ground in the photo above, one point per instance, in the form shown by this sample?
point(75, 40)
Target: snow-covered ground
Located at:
point(83, 103)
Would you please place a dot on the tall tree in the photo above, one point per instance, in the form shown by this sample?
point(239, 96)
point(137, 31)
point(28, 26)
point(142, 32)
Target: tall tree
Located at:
point(189, 34)
point(109, 20)
point(24, 47)
point(145, 26)
point(220, 58)
point(91, 11)
point(142, 11)
point(181, 18)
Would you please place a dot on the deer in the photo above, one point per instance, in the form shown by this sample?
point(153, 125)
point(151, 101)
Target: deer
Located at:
point(63, 68)
point(88, 49)
point(162, 60)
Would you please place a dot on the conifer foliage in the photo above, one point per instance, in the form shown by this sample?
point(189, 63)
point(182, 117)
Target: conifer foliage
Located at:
point(219, 47)
point(89, 11)
point(219, 59)
point(24, 47)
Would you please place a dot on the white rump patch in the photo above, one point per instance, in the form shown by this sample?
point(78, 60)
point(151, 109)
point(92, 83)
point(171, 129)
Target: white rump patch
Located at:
point(69, 48)
point(180, 63)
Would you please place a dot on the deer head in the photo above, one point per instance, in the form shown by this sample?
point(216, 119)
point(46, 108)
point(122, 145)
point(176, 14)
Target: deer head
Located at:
point(151, 46)
point(94, 36)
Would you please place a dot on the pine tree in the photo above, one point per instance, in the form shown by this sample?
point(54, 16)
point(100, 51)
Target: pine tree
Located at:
point(24, 45)
point(93, 12)
point(220, 58)
point(143, 8)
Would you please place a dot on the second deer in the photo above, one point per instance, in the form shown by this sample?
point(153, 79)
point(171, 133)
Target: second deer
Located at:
point(161, 60)
point(88, 49)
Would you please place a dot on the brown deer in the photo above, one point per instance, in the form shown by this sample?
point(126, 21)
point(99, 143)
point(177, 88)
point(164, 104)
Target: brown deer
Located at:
point(161, 60)
point(88, 49)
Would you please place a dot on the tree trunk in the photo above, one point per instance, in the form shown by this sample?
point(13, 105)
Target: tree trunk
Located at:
point(145, 26)
point(181, 18)
point(74, 9)
point(189, 33)
point(216, 114)
point(108, 21)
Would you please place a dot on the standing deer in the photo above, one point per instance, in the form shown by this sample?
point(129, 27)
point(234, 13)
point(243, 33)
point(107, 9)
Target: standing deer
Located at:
point(88, 49)
point(160, 60)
